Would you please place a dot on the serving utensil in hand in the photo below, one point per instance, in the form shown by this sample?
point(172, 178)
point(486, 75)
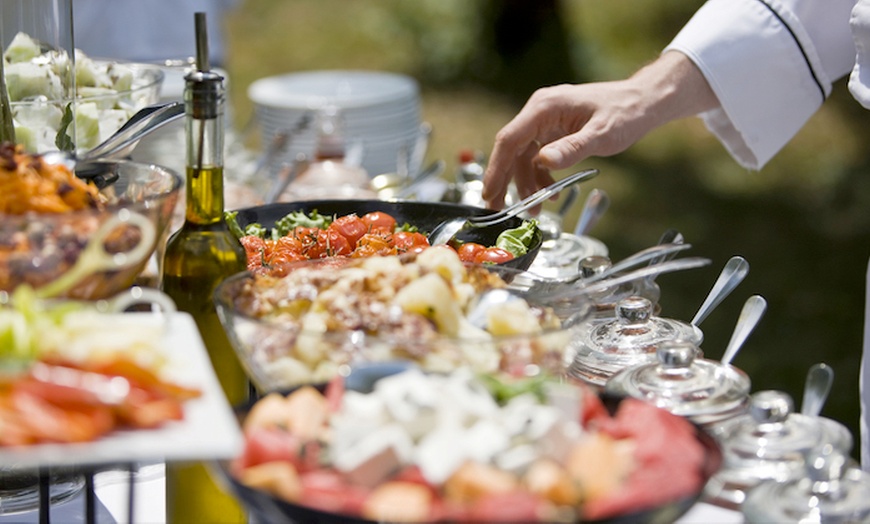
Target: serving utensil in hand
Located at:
point(447, 230)
point(596, 204)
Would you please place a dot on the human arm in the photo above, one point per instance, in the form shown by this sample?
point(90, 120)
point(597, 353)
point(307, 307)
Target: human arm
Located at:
point(769, 63)
point(562, 125)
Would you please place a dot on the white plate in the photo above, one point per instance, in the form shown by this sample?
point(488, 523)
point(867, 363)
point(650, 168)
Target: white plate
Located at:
point(208, 431)
point(342, 88)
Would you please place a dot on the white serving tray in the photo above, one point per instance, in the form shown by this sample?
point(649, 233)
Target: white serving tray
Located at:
point(209, 430)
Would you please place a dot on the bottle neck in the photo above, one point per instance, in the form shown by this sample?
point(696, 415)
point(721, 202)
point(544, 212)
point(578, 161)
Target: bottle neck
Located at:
point(204, 108)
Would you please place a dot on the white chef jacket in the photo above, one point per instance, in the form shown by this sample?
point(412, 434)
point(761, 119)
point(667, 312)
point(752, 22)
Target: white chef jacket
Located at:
point(771, 63)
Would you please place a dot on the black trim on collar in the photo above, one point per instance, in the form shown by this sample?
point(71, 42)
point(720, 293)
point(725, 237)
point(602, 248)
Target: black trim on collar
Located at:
point(800, 48)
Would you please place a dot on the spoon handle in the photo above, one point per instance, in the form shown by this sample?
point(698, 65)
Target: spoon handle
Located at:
point(596, 204)
point(751, 313)
point(645, 255)
point(587, 287)
point(818, 385)
point(733, 273)
point(534, 199)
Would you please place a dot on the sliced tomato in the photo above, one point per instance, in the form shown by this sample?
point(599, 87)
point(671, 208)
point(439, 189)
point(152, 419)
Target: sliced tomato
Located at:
point(469, 251)
point(493, 255)
point(350, 227)
point(379, 221)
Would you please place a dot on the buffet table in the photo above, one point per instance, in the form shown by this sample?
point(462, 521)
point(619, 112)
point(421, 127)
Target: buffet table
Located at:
point(112, 490)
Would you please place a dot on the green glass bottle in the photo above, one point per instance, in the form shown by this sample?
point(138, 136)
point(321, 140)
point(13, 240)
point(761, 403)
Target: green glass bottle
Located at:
point(197, 258)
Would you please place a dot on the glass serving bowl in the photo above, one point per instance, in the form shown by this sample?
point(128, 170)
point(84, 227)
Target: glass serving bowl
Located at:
point(108, 93)
point(329, 313)
point(38, 249)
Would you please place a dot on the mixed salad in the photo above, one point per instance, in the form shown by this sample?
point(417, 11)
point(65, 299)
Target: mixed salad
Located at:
point(304, 236)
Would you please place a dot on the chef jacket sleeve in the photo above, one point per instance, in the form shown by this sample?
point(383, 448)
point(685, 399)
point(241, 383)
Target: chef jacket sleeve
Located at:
point(771, 63)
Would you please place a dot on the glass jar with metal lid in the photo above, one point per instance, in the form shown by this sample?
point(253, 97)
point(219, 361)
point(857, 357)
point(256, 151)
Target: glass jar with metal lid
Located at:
point(632, 337)
point(768, 442)
point(832, 490)
point(705, 391)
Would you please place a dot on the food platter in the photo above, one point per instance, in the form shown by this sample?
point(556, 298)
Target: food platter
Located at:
point(424, 215)
point(270, 508)
point(208, 430)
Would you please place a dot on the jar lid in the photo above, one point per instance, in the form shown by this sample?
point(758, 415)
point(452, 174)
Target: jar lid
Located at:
point(769, 441)
point(632, 337)
point(833, 489)
point(685, 384)
point(560, 257)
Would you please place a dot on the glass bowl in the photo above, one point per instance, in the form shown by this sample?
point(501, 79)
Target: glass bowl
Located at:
point(329, 313)
point(108, 92)
point(38, 248)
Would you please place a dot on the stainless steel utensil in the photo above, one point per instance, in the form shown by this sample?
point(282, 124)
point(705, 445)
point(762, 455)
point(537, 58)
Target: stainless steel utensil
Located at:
point(733, 273)
point(121, 143)
point(818, 385)
point(751, 313)
point(447, 230)
point(596, 204)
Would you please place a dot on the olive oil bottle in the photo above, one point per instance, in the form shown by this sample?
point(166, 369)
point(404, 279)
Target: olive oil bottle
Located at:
point(197, 258)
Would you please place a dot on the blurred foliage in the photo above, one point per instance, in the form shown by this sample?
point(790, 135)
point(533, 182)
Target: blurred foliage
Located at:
point(801, 222)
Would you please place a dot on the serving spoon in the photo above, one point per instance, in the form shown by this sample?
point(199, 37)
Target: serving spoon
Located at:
point(733, 273)
point(751, 313)
point(91, 164)
point(818, 385)
point(596, 204)
point(448, 229)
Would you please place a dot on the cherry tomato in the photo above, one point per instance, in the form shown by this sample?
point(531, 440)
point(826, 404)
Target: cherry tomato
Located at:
point(285, 249)
point(493, 255)
point(351, 227)
point(373, 244)
point(468, 251)
point(404, 241)
point(337, 244)
point(379, 221)
point(255, 250)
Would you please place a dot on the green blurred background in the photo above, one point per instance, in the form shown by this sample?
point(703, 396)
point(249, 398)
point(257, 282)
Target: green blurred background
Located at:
point(801, 222)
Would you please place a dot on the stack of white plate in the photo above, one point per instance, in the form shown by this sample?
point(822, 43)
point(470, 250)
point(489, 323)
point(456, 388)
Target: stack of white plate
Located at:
point(380, 112)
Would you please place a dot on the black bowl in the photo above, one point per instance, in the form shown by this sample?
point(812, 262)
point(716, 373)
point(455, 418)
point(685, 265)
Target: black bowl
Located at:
point(268, 508)
point(424, 215)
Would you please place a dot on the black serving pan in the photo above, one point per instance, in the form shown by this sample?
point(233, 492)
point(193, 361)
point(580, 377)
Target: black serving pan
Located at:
point(268, 508)
point(424, 215)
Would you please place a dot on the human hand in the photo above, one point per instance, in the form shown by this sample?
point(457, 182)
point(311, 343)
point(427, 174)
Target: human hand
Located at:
point(562, 125)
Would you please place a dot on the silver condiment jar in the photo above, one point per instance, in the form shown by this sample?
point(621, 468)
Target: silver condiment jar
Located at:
point(705, 391)
point(832, 490)
point(632, 337)
point(768, 442)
